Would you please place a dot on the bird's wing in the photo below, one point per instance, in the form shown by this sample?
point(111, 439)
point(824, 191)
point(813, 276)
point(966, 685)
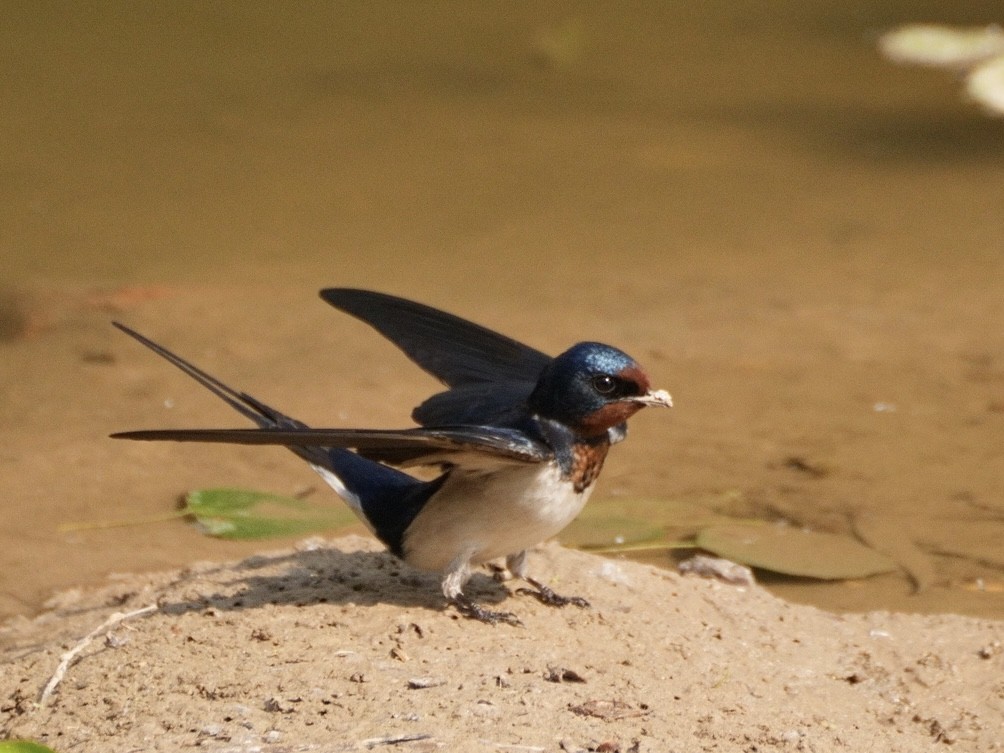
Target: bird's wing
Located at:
point(404, 446)
point(398, 447)
point(455, 351)
point(488, 403)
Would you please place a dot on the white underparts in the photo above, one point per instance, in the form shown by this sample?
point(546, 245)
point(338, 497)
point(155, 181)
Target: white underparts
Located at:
point(480, 516)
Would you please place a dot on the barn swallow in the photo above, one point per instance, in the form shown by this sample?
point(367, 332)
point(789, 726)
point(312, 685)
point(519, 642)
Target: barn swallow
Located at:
point(518, 439)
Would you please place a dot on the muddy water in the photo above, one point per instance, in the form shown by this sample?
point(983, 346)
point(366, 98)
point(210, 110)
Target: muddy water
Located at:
point(802, 242)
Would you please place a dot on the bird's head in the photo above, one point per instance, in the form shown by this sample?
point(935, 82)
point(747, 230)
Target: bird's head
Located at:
point(592, 387)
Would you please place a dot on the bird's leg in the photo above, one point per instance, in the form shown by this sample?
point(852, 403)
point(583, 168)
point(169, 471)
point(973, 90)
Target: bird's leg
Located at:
point(453, 584)
point(543, 593)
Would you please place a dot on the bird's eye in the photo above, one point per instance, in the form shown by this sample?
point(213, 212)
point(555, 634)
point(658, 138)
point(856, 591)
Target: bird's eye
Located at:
point(604, 384)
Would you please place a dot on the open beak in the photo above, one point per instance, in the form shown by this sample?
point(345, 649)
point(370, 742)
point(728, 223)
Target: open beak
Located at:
point(654, 398)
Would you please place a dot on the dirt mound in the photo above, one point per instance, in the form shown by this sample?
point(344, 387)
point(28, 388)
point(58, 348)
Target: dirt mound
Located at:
point(335, 646)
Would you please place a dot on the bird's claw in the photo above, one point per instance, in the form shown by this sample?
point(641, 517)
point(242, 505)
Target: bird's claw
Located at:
point(545, 595)
point(475, 611)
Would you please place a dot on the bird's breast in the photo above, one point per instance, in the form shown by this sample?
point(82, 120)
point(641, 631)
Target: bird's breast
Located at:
point(486, 514)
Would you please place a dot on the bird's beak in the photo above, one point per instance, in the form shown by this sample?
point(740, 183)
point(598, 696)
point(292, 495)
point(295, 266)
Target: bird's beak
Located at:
point(654, 398)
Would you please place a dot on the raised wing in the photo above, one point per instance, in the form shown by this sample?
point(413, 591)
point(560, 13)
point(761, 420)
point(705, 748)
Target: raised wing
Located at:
point(455, 351)
point(405, 446)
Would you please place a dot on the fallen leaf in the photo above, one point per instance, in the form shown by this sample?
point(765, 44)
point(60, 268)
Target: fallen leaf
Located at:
point(793, 551)
point(247, 514)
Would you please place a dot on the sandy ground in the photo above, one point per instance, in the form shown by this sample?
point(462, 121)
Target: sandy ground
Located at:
point(332, 646)
point(800, 241)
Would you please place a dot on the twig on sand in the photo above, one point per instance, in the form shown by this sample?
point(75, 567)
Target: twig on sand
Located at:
point(374, 742)
point(68, 657)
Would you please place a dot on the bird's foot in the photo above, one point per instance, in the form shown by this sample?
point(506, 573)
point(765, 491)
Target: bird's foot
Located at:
point(545, 595)
point(475, 611)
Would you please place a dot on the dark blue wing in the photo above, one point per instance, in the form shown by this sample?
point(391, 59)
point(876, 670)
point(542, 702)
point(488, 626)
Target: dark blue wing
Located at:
point(409, 444)
point(492, 404)
point(275, 428)
point(455, 351)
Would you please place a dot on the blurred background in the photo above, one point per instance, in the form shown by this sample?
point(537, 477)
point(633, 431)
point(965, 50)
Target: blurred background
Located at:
point(800, 240)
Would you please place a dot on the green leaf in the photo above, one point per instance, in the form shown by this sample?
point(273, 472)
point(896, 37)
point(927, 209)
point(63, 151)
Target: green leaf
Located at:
point(23, 746)
point(248, 514)
point(611, 530)
point(628, 521)
point(628, 524)
point(793, 551)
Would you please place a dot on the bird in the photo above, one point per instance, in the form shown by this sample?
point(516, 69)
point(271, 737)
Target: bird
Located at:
point(516, 442)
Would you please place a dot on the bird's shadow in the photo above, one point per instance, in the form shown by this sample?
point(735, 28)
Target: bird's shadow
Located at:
point(317, 576)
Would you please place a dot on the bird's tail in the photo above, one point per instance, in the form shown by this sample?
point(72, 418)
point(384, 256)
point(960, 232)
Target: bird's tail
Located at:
point(384, 498)
point(265, 416)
